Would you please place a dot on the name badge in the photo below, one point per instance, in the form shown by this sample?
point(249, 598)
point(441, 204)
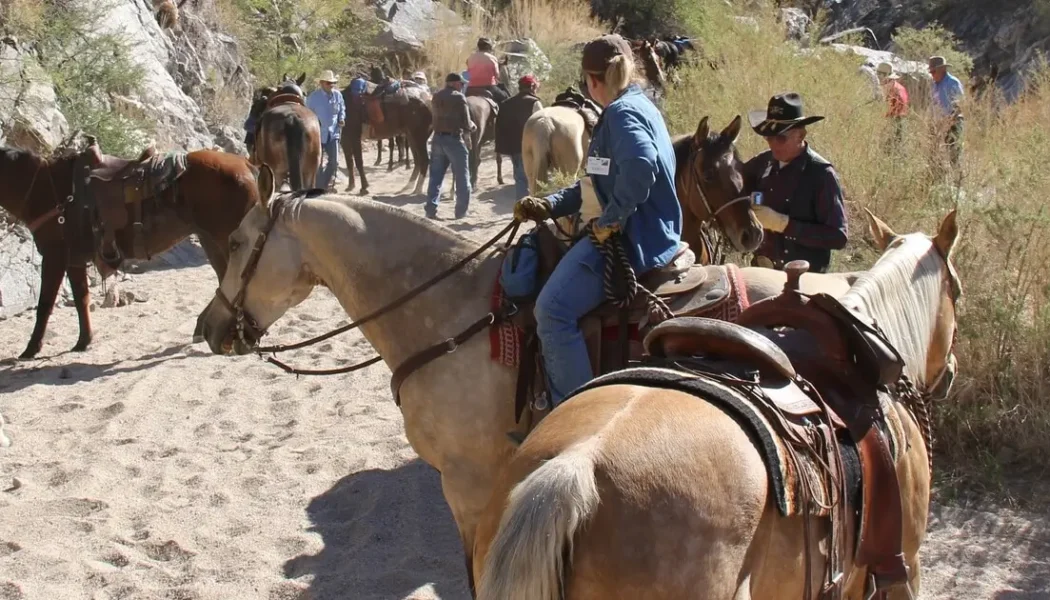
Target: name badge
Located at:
point(598, 166)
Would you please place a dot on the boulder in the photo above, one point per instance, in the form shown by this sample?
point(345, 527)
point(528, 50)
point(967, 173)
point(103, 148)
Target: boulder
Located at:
point(915, 77)
point(19, 270)
point(408, 24)
point(29, 116)
point(796, 24)
point(524, 57)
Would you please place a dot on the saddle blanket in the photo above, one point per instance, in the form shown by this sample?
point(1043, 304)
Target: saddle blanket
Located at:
point(787, 478)
point(507, 339)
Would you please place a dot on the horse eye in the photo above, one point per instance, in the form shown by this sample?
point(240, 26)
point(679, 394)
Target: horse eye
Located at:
point(234, 245)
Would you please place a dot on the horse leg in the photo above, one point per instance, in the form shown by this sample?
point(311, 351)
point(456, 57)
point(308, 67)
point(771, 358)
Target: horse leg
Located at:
point(78, 281)
point(418, 142)
point(499, 169)
point(348, 154)
point(52, 269)
point(390, 163)
point(359, 160)
point(218, 261)
point(379, 155)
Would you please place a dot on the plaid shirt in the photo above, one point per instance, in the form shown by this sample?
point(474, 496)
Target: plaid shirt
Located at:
point(808, 191)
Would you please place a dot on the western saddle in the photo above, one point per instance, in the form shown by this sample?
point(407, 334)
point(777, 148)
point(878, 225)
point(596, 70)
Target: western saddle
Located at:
point(817, 362)
point(586, 108)
point(111, 193)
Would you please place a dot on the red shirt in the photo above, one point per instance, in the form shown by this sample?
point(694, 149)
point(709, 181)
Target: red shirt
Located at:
point(483, 69)
point(897, 96)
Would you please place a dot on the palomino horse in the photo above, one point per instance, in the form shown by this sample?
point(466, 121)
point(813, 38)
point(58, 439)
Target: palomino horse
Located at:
point(412, 119)
point(208, 199)
point(288, 137)
point(630, 491)
point(457, 409)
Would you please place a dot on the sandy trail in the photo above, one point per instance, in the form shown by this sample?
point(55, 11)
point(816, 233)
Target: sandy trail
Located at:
point(147, 468)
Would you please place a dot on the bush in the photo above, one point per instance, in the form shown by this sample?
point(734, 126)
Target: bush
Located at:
point(999, 412)
point(933, 40)
point(89, 70)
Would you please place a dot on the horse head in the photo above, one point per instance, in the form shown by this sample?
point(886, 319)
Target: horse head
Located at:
point(712, 185)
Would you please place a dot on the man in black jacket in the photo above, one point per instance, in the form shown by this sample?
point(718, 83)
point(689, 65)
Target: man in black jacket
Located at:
point(510, 125)
point(802, 209)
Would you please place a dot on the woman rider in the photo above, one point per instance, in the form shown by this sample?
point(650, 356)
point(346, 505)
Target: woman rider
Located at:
point(631, 165)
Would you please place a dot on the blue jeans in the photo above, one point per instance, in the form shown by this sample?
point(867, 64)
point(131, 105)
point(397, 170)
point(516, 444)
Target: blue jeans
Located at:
point(329, 165)
point(573, 290)
point(521, 182)
point(448, 149)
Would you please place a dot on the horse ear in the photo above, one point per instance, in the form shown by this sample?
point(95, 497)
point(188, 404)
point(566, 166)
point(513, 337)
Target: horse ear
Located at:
point(703, 130)
point(733, 130)
point(301, 79)
point(947, 234)
point(880, 232)
point(265, 181)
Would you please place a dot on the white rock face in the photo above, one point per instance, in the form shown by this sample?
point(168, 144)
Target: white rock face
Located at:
point(29, 117)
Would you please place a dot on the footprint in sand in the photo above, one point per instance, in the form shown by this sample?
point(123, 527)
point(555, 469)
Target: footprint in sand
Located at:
point(289, 590)
point(218, 374)
point(203, 430)
point(10, 590)
point(279, 395)
point(69, 407)
point(112, 410)
point(77, 507)
point(8, 548)
point(166, 551)
point(116, 559)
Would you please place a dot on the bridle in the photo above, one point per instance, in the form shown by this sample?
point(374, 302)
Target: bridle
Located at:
point(712, 215)
point(244, 321)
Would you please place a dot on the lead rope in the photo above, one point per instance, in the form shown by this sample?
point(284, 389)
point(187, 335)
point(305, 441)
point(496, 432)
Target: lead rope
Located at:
point(616, 257)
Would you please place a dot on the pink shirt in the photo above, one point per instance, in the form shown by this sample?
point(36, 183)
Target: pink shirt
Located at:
point(483, 69)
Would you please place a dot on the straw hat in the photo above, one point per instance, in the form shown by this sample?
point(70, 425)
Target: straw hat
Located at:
point(938, 61)
point(328, 76)
point(886, 70)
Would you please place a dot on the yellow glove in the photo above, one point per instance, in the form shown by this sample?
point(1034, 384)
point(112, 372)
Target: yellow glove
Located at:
point(531, 207)
point(602, 233)
point(771, 219)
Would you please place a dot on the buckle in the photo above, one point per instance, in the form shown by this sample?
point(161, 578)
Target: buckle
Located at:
point(450, 346)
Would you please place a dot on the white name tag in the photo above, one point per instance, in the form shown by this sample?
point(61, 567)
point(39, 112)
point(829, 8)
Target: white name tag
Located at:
point(598, 166)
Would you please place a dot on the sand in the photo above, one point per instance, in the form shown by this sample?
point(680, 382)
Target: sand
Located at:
point(147, 468)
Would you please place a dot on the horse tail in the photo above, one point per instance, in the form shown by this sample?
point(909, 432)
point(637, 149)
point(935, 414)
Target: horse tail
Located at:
point(536, 533)
point(294, 141)
point(542, 153)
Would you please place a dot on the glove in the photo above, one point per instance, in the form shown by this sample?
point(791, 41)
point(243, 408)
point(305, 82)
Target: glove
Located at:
point(771, 219)
point(531, 207)
point(602, 233)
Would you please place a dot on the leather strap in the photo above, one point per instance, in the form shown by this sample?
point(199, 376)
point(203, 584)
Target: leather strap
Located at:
point(439, 349)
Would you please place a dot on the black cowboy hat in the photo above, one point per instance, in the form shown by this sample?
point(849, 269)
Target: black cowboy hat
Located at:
point(783, 113)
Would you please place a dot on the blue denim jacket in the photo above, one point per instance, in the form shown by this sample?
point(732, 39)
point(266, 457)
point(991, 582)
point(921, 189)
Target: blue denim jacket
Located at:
point(330, 110)
point(639, 191)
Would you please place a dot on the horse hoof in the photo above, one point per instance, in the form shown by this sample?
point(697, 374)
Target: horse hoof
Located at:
point(363, 192)
point(80, 347)
point(499, 181)
point(29, 353)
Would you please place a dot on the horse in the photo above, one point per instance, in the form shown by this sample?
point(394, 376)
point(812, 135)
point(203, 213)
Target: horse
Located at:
point(288, 136)
point(645, 54)
point(631, 490)
point(483, 112)
point(413, 119)
point(457, 409)
point(208, 199)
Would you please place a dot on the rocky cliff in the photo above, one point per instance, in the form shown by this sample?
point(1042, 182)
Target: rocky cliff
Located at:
point(1002, 36)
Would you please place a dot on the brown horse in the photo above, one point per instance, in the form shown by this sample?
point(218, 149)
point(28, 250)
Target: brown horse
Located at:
point(208, 199)
point(646, 55)
point(411, 118)
point(288, 137)
point(631, 490)
point(483, 112)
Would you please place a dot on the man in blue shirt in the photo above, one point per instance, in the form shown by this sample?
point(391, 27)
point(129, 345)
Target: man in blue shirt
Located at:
point(947, 95)
point(327, 104)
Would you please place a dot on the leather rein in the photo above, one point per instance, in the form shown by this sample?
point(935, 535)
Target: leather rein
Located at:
point(246, 324)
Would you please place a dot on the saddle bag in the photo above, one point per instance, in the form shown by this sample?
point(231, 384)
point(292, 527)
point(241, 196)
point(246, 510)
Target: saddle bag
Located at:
point(874, 355)
point(519, 275)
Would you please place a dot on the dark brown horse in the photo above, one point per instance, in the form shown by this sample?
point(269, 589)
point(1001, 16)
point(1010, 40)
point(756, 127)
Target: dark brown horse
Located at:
point(410, 117)
point(288, 136)
point(209, 199)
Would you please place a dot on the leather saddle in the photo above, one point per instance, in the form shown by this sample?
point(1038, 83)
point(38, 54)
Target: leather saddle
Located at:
point(286, 98)
point(589, 110)
point(798, 344)
point(113, 192)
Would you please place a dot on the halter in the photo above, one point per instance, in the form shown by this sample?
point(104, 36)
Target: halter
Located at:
point(711, 214)
point(245, 322)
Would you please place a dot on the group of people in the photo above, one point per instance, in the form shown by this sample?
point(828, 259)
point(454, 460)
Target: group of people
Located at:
point(946, 96)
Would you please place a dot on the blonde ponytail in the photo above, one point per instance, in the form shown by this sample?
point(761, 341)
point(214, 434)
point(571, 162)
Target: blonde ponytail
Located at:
point(619, 73)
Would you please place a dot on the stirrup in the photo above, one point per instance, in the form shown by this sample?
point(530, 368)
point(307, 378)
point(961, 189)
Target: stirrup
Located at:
point(872, 587)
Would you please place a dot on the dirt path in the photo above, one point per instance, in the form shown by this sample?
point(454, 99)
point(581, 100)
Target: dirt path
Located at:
point(147, 468)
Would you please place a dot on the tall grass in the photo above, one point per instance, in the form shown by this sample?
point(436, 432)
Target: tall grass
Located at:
point(999, 412)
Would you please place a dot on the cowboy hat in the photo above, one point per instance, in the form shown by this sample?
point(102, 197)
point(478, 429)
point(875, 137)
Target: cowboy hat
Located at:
point(886, 70)
point(784, 112)
point(938, 61)
point(328, 76)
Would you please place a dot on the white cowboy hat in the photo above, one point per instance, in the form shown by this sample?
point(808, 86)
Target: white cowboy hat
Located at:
point(328, 75)
point(886, 70)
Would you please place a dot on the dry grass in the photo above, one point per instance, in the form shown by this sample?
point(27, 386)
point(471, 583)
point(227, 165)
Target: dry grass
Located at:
point(998, 418)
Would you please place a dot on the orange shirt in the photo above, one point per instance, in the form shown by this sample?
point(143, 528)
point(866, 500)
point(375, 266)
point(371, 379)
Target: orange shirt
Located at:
point(483, 69)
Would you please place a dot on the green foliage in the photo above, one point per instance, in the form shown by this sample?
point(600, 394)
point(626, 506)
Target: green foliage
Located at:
point(293, 36)
point(933, 40)
point(88, 68)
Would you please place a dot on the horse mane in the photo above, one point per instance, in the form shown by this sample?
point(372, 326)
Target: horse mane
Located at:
point(902, 292)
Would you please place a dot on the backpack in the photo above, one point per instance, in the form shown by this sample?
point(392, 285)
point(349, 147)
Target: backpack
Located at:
point(519, 274)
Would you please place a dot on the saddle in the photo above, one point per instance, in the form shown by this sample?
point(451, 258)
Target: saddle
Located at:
point(586, 108)
point(287, 98)
point(612, 334)
point(817, 361)
point(112, 194)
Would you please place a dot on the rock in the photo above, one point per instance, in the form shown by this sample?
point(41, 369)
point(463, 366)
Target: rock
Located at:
point(524, 57)
point(407, 24)
point(229, 139)
point(915, 77)
point(5, 442)
point(796, 23)
point(32, 120)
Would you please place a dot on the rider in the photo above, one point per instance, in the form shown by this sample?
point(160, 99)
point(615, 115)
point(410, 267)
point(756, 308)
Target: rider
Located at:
point(631, 165)
point(483, 73)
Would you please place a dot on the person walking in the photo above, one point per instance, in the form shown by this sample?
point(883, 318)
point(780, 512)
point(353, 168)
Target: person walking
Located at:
point(896, 98)
point(327, 103)
point(510, 126)
point(448, 149)
point(947, 95)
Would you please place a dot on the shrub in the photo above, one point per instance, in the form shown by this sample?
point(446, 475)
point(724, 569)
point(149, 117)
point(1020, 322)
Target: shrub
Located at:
point(932, 40)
